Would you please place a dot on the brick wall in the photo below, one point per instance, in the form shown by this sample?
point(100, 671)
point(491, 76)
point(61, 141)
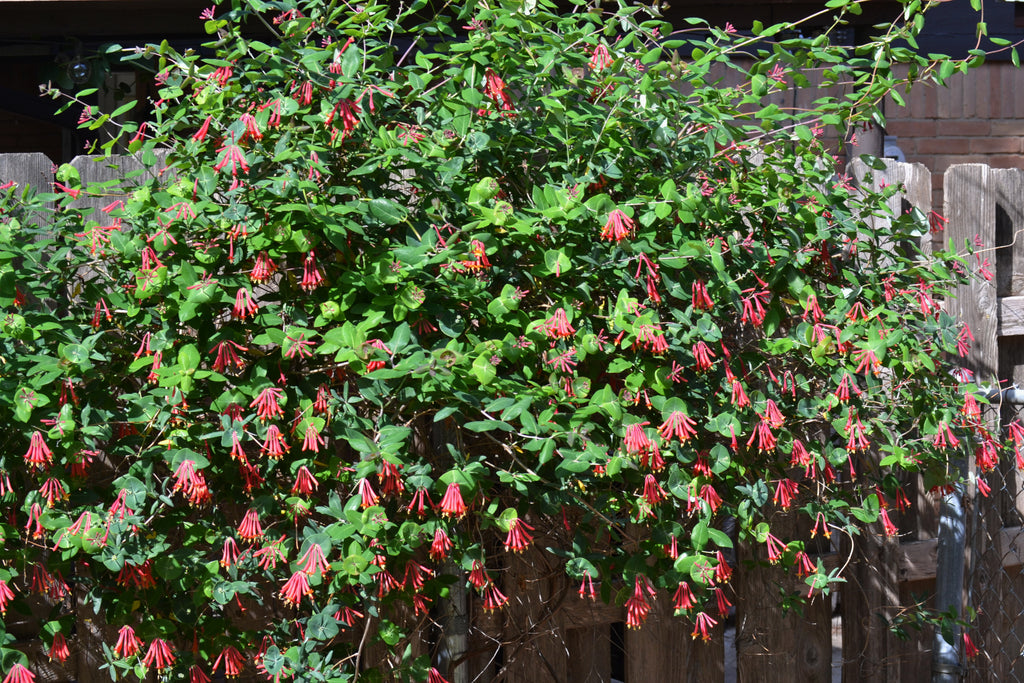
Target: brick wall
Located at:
point(977, 117)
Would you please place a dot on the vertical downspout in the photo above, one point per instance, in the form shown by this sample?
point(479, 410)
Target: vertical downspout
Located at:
point(949, 581)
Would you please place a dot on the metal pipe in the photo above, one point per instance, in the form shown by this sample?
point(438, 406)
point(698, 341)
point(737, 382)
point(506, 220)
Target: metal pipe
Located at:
point(949, 581)
point(1011, 396)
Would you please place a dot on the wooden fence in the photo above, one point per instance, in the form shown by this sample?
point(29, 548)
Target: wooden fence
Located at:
point(550, 634)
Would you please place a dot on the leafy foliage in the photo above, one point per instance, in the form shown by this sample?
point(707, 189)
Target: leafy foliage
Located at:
point(390, 299)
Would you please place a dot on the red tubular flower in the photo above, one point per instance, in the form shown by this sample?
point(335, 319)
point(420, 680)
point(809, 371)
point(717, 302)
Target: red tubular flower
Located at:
point(229, 555)
point(804, 566)
point(493, 598)
point(710, 496)
point(268, 555)
point(763, 435)
point(434, 676)
point(440, 546)
point(34, 526)
point(683, 599)
point(637, 607)
point(722, 603)
point(305, 483)
point(701, 300)
point(263, 269)
point(275, 446)
point(226, 356)
point(200, 134)
point(314, 560)
point(266, 404)
point(775, 548)
point(785, 490)
point(250, 529)
point(702, 355)
point(887, 525)
point(678, 425)
point(233, 661)
point(59, 649)
point(38, 453)
point(723, 572)
point(970, 649)
point(702, 626)
point(52, 489)
point(294, 588)
point(653, 493)
point(636, 439)
point(557, 326)
point(19, 674)
point(6, 595)
point(518, 538)
point(944, 438)
point(197, 675)
point(128, 644)
point(159, 655)
point(311, 277)
point(312, 441)
point(416, 575)
point(390, 479)
point(619, 227)
point(587, 587)
point(420, 502)
point(773, 415)
point(477, 576)
point(244, 306)
point(452, 504)
point(367, 494)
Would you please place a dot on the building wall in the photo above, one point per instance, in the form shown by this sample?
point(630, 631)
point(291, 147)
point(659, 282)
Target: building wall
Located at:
point(978, 117)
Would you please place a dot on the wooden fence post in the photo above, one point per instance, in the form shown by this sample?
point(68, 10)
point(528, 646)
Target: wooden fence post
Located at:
point(663, 650)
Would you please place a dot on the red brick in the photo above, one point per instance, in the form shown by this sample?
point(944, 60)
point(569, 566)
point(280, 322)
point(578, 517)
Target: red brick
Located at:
point(995, 145)
point(1005, 161)
point(942, 145)
point(1011, 127)
point(912, 128)
point(963, 127)
point(943, 161)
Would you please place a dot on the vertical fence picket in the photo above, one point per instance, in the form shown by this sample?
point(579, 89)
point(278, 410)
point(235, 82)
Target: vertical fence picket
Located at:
point(663, 650)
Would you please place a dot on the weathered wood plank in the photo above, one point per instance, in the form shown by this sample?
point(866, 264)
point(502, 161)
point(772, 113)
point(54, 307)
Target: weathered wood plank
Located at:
point(35, 170)
point(870, 598)
point(663, 650)
point(970, 206)
point(773, 644)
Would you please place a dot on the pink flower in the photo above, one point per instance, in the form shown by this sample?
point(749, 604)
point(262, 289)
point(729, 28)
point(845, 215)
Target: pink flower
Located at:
point(619, 227)
point(159, 655)
point(587, 587)
point(702, 355)
point(229, 555)
point(887, 525)
point(970, 649)
point(775, 548)
point(128, 644)
point(723, 572)
point(636, 439)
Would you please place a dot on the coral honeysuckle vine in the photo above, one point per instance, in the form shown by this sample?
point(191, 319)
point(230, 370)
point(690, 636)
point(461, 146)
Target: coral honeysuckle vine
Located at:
point(396, 297)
